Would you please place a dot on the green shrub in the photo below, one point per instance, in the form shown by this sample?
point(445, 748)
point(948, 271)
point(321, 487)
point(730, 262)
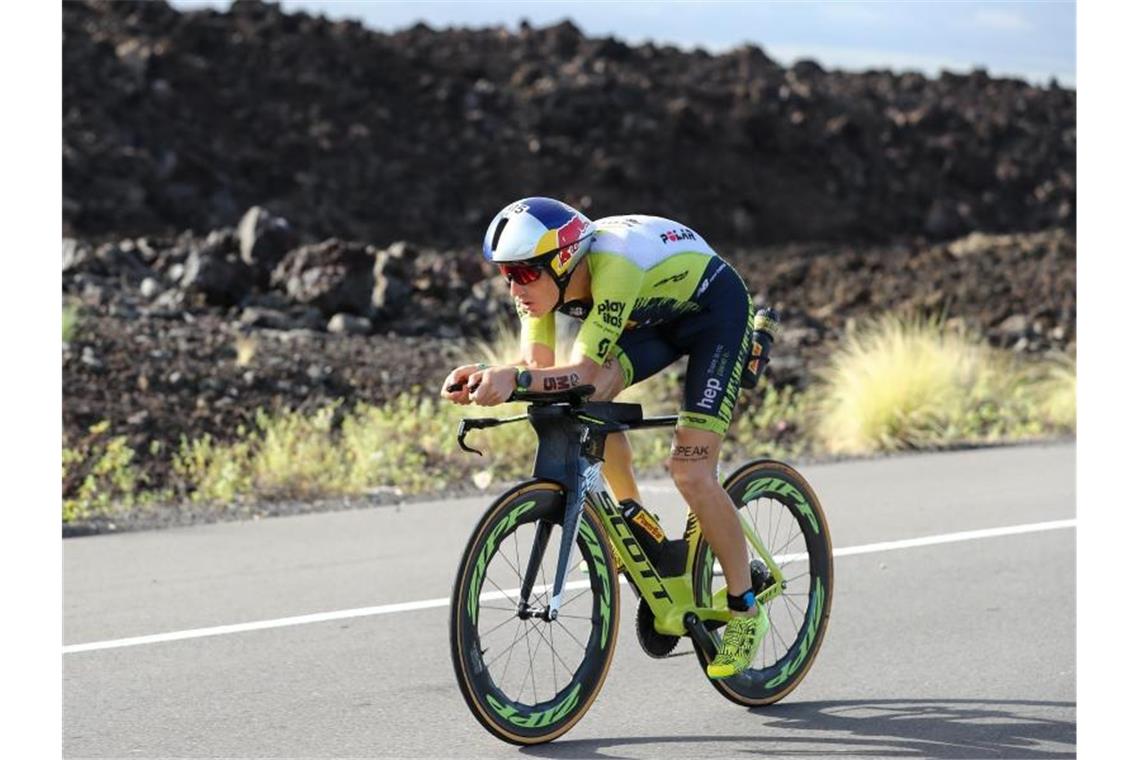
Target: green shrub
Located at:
point(70, 322)
point(899, 383)
point(1057, 393)
point(892, 384)
point(99, 475)
point(212, 472)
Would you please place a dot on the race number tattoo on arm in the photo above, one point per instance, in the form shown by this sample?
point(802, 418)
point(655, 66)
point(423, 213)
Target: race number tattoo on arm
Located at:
point(690, 453)
point(560, 382)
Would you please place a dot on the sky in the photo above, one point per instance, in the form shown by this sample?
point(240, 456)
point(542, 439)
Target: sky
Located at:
point(1031, 39)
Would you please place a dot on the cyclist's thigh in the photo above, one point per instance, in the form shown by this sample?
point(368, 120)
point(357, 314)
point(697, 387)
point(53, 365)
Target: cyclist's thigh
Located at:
point(718, 341)
point(643, 352)
point(694, 453)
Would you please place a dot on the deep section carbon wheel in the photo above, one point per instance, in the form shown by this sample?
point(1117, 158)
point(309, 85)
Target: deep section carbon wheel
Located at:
point(780, 506)
point(528, 679)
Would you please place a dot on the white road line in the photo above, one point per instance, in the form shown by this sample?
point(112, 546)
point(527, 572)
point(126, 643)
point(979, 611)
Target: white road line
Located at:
point(385, 609)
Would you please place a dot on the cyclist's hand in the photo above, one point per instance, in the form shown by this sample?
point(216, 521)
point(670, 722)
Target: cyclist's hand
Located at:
point(459, 376)
point(496, 384)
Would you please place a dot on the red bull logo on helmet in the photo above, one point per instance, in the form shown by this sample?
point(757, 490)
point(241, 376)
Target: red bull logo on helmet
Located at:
point(568, 237)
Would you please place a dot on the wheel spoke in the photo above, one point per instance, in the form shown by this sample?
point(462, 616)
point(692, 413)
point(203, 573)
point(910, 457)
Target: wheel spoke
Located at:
point(783, 643)
point(799, 609)
point(499, 588)
point(783, 545)
point(570, 634)
point(583, 592)
point(797, 576)
point(497, 627)
point(507, 561)
point(553, 652)
point(510, 648)
point(530, 668)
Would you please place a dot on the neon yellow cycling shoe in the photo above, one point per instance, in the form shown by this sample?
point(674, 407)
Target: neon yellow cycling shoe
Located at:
point(742, 637)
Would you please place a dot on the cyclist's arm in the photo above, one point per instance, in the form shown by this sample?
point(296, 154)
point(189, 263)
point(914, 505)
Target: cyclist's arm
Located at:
point(536, 356)
point(614, 285)
point(537, 341)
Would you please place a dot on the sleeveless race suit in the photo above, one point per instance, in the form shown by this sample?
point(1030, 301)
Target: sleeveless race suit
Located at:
point(659, 292)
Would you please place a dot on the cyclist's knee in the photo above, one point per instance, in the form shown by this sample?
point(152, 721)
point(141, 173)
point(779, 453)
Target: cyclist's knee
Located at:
point(693, 461)
point(695, 478)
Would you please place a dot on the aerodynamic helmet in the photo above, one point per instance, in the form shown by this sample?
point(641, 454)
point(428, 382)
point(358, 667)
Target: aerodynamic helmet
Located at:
point(538, 233)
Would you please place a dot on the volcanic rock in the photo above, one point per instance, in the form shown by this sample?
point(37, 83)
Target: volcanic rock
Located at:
point(350, 324)
point(334, 276)
point(264, 240)
point(216, 270)
point(181, 120)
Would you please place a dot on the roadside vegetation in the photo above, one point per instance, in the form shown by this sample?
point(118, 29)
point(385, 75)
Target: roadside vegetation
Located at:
point(899, 384)
point(70, 322)
point(892, 385)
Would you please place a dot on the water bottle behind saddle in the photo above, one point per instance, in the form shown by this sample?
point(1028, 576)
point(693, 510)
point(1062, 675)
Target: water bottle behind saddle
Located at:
point(765, 328)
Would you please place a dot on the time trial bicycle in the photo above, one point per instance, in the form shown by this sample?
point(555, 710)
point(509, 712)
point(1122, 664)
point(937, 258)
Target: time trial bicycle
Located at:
point(535, 610)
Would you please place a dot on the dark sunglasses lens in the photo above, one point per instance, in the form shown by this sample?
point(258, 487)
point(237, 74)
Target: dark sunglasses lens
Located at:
point(523, 275)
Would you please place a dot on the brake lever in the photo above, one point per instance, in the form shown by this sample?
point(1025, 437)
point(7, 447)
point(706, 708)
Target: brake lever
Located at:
point(478, 423)
point(465, 426)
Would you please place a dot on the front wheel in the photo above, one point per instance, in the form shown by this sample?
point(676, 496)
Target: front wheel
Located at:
point(527, 679)
point(783, 510)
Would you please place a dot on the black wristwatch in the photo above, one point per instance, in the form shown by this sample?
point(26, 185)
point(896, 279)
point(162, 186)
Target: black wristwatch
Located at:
point(522, 379)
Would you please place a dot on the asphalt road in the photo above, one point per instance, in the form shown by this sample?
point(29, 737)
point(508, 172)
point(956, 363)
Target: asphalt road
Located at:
point(959, 647)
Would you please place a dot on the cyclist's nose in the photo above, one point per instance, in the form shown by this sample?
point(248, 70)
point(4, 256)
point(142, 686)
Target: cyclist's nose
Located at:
point(516, 289)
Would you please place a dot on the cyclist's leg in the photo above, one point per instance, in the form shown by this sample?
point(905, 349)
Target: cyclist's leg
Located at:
point(618, 465)
point(718, 342)
point(637, 355)
point(693, 464)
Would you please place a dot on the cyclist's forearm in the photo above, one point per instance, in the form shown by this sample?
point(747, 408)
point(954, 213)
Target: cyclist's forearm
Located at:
point(564, 377)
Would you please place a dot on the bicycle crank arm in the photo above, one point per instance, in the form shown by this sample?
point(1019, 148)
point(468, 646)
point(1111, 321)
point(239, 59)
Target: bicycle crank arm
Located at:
point(702, 640)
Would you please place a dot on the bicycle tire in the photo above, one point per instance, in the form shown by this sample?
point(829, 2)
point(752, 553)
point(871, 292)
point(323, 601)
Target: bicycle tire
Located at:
point(777, 484)
point(494, 702)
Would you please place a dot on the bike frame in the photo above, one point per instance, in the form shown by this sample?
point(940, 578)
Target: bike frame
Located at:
point(571, 449)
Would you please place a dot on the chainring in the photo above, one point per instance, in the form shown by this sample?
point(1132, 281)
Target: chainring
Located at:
point(655, 644)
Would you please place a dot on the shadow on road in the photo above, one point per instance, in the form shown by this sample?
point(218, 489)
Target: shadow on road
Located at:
point(938, 728)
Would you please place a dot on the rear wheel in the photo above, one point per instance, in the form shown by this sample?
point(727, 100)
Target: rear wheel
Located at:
point(527, 679)
point(785, 513)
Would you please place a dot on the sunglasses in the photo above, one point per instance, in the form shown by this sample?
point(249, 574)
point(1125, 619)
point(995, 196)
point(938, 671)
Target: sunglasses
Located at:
point(523, 274)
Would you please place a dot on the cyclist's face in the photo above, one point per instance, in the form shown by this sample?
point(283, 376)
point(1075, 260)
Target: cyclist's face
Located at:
point(536, 298)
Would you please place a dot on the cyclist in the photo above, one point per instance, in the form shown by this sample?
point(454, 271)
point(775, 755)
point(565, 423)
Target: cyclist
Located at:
point(651, 290)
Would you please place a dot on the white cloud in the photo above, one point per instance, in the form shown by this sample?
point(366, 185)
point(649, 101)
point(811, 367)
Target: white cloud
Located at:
point(1001, 20)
